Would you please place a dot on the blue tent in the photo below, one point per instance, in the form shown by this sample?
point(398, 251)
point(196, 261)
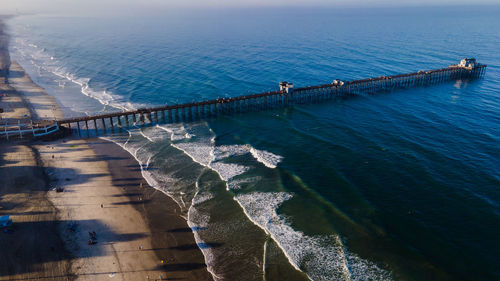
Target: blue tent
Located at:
point(5, 221)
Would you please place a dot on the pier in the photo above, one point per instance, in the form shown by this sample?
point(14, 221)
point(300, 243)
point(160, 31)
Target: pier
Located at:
point(287, 95)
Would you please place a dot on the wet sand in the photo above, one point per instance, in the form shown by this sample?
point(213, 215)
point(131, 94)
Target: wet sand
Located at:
point(136, 228)
point(139, 233)
point(171, 238)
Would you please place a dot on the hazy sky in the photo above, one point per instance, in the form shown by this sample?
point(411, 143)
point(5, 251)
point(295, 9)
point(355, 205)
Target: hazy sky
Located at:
point(91, 6)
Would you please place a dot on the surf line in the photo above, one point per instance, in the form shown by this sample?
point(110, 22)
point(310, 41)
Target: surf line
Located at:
point(212, 141)
point(268, 233)
point(264, 259)
point(290, 260)
point(149, 179)
point(197, 237)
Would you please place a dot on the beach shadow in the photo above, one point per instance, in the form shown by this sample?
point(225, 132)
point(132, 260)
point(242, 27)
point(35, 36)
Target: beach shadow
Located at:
point(15, 74)
point(203, 245)
point(6, 149)
point(41, 106)
point(127, 185)
point(97, 159)
point(167, 229)
point(28, 213)
point(69, 177)
point(62, 151)
point(128, 237)
point(181, 266)
point(135, 202)
point(187, 229)
point(128, 179)
point(88, 276)
point(33, 246)
point(138, 169)
point(130, 194)
point(19, 182)
point(5, 162)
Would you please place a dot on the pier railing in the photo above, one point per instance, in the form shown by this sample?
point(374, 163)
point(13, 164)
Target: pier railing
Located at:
point(20, 130)
point(286, 96)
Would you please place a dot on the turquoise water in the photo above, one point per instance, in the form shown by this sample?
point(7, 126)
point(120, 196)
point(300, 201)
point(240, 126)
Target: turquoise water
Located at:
point(392, 186)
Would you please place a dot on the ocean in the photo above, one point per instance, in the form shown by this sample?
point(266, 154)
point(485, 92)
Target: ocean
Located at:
point(401, 185)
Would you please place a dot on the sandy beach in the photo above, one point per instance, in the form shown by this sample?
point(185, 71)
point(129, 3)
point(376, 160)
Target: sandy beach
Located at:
point(57, 192)
point(138, 236)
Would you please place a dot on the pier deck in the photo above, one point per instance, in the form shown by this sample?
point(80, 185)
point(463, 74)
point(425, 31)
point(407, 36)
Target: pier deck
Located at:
point(287, 95)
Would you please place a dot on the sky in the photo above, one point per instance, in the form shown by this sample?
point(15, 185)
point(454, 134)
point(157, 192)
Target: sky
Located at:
point(105, 6)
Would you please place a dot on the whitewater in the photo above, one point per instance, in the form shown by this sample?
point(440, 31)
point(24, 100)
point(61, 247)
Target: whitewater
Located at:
point(321, 257)
point(330, 260)
point(389, 186)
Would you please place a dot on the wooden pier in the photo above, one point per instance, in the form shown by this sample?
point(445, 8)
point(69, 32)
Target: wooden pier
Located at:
point(286, 96)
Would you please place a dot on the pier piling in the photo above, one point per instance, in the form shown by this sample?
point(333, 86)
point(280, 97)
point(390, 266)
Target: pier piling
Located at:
point(286, 96)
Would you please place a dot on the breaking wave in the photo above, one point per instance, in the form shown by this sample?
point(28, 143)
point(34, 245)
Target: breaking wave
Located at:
point(42, 60)
point(320, 257)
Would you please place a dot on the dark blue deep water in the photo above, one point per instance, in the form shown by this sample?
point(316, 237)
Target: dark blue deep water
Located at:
point(403, 185)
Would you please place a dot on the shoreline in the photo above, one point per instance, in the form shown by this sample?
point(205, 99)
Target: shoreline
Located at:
point(172, 242)
point(137, 228)
point(163, 248)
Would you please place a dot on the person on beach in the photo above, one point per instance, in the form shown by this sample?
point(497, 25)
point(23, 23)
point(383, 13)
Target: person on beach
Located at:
point(92, 238)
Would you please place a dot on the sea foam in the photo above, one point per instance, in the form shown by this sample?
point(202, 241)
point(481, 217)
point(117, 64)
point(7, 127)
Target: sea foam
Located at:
point(42, 60)
point(267, 158)
point(321, 258)
point(194, 218)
